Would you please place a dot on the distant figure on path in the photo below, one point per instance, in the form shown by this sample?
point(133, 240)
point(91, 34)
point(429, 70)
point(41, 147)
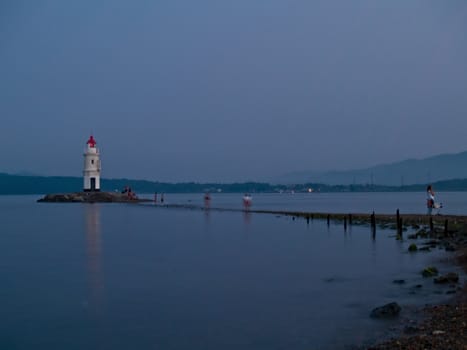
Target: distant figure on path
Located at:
point(247, 201)
point(430, 199)
point(207, 200)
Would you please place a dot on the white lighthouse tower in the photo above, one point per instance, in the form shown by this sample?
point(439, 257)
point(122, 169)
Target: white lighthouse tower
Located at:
point(92, 167)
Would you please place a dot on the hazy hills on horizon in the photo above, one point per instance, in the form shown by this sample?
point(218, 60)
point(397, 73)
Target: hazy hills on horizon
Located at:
point(402, 173)
point(20, 184)
point(23, 184)
point(406, 172)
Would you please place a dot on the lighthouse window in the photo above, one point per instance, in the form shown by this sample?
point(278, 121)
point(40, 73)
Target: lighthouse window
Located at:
point(92, 161)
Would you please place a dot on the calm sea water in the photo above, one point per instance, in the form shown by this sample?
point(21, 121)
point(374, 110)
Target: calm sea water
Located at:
point(118, 276)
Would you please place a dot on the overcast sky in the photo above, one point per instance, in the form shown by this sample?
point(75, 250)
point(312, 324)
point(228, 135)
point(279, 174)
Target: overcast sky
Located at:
point(223, 90)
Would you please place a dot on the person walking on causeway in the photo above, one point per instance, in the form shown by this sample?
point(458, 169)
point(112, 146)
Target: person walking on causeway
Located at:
point(430, 199)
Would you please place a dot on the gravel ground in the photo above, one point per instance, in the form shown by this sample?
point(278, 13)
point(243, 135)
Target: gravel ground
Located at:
point(444, 326)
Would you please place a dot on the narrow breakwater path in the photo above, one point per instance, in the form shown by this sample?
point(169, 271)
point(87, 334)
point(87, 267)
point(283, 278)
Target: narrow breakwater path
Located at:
point(446, 224)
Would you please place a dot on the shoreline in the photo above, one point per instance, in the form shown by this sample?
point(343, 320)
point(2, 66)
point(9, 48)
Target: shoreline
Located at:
point(442, 326)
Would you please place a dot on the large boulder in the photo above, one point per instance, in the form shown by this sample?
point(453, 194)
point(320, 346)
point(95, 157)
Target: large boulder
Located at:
point(430, 271)
point(386, 311)
point(450, 277)
point(413, 247)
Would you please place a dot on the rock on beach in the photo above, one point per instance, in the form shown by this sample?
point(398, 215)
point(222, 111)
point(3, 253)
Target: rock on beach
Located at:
point(450, 277)
point(386, 311)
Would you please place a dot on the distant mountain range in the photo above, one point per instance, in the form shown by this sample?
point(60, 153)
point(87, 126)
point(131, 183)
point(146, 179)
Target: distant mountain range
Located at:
point(40, 185)
point(448, 172)
point(403, 173)
point(21, 184)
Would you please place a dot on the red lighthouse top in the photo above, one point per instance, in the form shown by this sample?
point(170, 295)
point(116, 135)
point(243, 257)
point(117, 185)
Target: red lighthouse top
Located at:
point(91, 142)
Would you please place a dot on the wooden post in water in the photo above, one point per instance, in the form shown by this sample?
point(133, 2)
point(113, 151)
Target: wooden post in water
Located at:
point(307, 219)
point(373, 219)
point(373, 224)
point(345, 223)
point(397, 219)
point(399, 228)
point(328, 219)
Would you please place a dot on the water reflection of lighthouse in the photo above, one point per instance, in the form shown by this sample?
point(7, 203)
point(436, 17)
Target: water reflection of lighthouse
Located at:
point(93, 254)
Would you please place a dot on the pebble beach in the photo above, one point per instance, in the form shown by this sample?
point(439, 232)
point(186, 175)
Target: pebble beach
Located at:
point(442, 326)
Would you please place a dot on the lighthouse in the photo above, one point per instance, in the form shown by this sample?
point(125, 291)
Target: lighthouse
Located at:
point(92, 167)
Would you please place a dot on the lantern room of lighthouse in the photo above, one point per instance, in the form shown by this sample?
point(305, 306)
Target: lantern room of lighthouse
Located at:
point(92, 167)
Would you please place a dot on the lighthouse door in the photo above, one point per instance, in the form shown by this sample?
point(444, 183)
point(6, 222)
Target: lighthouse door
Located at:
point(93, 183)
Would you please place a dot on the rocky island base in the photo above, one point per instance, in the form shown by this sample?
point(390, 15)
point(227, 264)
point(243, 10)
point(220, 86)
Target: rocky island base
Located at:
point(92, 197)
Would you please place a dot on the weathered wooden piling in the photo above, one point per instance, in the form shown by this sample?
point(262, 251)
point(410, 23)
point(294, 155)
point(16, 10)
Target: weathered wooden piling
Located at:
point(398, 223)
point(328, 219)
point(308, 219)
point(399, 227)
point(373, 224)
point(345, 223)
point(397, 219)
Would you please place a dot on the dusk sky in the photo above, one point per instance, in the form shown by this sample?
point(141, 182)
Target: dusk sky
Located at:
point(184, 90)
